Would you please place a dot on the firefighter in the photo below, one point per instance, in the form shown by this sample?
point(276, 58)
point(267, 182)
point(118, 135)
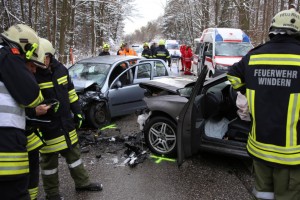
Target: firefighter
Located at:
point(121, 48)
point(34, 137)
point(60, 135)
point(105, 50)
point(146, 52)
point(127, 51)
point(162, 53)
point(153, 47)
point(269, 76)
point(18, 90)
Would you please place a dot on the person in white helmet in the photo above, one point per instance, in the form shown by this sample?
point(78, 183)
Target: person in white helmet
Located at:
point(60, 135)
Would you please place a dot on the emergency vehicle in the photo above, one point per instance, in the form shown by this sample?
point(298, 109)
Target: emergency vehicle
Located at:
point(173, 48)
point(219, 49)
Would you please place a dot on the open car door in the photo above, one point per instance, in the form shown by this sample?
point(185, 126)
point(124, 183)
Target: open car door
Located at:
point(191, 122)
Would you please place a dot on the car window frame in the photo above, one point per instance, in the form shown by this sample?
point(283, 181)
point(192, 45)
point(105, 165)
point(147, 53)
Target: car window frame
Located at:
point(132, 71)
point(152, 60)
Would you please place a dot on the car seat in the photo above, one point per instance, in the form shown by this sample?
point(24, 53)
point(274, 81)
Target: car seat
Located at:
point(213, 104)
point(238, 130)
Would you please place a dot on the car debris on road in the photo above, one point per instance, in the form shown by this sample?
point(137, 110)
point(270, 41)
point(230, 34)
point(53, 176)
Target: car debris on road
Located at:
point(135, 151)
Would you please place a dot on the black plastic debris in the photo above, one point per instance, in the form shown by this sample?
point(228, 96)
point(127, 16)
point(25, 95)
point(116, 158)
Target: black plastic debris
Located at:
point(98, 156)
point(85, 149)
point(135, 155)
point(108, 142)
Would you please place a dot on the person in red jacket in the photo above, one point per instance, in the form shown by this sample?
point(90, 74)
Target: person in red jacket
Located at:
point(188, 56)
point(182, 51)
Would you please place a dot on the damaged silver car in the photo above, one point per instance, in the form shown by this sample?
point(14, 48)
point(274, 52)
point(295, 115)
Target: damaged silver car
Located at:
point(107, 86)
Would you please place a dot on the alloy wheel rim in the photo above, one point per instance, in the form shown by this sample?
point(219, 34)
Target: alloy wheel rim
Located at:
point(162, 137)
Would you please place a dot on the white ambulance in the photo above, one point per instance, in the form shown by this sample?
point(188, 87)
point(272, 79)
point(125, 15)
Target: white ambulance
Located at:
point(219, 49)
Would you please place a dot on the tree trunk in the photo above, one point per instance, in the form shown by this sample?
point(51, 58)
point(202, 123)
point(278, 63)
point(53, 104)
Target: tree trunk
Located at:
point(48, 20)
point(54, 23)
point(30, 12)
point(22, 10)
point(36, 14)
point(93, 47)
point(102, 13)
point(63, 24)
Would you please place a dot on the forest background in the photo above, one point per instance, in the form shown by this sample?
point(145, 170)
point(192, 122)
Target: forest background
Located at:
point(82, 26)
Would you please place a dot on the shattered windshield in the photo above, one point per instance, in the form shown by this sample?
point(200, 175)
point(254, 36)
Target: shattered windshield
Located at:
point(96, 72)
point(232, 48)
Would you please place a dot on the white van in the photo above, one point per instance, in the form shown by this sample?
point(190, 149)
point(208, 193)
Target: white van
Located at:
point(173, 48)
point(219, 49)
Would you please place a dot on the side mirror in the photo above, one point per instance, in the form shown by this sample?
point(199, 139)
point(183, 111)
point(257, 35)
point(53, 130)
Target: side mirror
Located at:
point(185, 92)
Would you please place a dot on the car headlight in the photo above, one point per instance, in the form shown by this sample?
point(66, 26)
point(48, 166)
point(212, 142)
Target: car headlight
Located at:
point(221, 67)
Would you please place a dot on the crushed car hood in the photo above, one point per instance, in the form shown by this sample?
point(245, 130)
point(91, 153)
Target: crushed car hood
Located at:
point(170, 84)
point(80, 85)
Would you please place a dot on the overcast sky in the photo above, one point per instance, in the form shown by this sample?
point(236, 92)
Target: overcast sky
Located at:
point(148, 10)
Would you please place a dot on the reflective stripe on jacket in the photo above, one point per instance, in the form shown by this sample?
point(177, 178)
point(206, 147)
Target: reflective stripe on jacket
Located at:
point(33, 141)
point(270, 74)
point(13, 163)
point(11, 114)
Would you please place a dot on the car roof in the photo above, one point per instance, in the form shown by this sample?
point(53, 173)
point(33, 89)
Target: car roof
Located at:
point(109, 59)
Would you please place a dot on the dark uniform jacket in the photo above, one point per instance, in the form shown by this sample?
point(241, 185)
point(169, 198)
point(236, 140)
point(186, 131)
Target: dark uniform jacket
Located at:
point(270, 74)
point(147, 53)
point(104, 53)
point(56, 84)
point(162, 53)
point(19, 85)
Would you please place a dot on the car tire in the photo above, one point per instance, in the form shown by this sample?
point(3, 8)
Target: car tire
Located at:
point(97, 115)
point(160, 136)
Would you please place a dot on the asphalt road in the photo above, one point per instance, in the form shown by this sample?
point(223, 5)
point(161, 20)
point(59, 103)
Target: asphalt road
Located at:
point(205, 177)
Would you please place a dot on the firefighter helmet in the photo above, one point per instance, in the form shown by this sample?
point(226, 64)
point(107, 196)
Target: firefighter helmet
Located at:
point(286, 22)
point(146, 44)
point(105, 46)
point(161, 42)
point(47, 46)
point(23, 36)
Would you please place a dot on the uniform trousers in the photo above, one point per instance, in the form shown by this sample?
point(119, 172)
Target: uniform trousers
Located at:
point(49, 167)
point(276, 183)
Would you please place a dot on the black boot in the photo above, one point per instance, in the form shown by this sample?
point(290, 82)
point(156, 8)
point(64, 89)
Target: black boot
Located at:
point(90, 187)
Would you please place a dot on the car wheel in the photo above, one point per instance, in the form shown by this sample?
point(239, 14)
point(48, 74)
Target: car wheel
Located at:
point(97, 115)
point(160, 136)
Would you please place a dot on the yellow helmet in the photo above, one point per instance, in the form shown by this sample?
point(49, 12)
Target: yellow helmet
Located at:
point(23, 36)
point(47, 46)
point(284, 21)
point(105, 46)
point(161, 42)
point(146, 44)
